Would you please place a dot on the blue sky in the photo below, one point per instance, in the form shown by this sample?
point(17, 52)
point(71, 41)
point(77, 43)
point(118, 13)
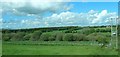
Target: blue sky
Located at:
point(98, 6)
point(17, 15)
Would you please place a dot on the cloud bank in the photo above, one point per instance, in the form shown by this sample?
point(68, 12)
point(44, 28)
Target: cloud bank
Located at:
point(32, 7)
point(91, 18)
point(50, 14)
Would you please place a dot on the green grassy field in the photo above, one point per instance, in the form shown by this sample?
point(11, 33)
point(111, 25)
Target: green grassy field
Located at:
point(0, 47)
point(36, 49)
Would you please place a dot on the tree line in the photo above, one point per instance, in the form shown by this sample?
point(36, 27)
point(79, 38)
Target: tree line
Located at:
point(71, 34)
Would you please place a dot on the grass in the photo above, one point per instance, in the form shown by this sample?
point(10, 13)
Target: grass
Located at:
point(0, 47)
point(32, 49)
point(59, 43)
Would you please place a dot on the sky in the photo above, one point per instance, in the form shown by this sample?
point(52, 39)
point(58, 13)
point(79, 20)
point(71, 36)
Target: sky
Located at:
point(18, 14)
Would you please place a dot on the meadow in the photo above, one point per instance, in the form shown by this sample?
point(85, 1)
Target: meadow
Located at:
point(0, 47)
point(55, 48)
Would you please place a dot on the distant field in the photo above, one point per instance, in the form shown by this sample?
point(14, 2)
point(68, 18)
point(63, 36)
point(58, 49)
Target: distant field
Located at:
point(36, 49)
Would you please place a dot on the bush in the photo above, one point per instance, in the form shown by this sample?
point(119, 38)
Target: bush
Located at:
point(78, 37)
point(83, 37)
point(68, 37)
point(100, 38)
point(18, 36)
point(6, 37)
point(36, 35)
point(92, 37)
point(71, 31)
point(45, 37)
point(27, 37)
point(52, 37)
point(103, 30)
point(68, 31)
point(108, 34)
point(87, 31)
point(103, 39)
point(59, 36)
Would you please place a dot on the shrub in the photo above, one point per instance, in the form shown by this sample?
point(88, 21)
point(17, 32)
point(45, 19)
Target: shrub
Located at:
point(45, 37)
point(74, 31)
point(92, 37)
point(6, 37)
point(59, 36)
point(18, 36)
point(68, 37)
point(71, 31)
point(87, 31)
point(103, 30)
point(103, 39)
point(83, 37)
point(52, 37)
point(108, 34)
point(67, 31)
point(36, 35)
point(27, 37)
point(78, 37)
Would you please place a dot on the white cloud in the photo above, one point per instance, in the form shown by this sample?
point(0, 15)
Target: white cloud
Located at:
point(69, 18)
point(25, 7)
point(64, 0)
point(84, 19)
point(92, 12)
point(100, 16)
point(104, 17)
point(36, 0)
point(30, 22)
point(64, 18)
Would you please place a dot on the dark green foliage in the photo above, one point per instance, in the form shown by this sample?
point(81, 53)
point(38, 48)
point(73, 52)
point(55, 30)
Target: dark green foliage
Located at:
point(18, 36)
point(68, 31)
point(87, 31)
point(79, 37)
point(99, 37)
point(68, 37)
point(83, 37)
point(36, 35)
point(27, 37)
point(103, 39)
point(44, 37)
point(52, 37)
point(59, 36)
point(72, 33)
point(103, 30)
point(6, 37)
point(92, 37)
